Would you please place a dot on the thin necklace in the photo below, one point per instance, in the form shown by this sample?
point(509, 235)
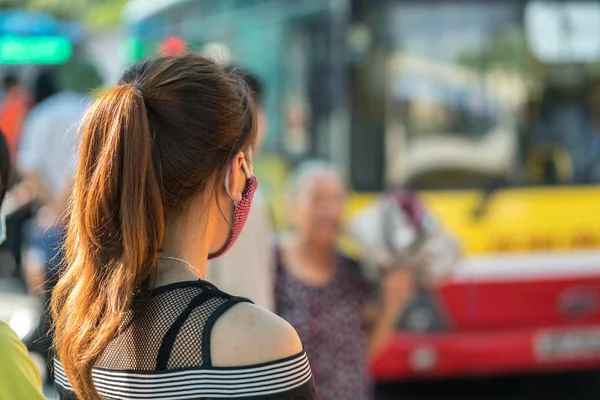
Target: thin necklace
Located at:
point(183, 261)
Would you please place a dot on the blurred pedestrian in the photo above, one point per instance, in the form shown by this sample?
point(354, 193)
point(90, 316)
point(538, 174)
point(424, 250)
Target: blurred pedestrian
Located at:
point(19, 377)
point(46, 158)
point(323, 294)
point(248, 270)
point(46, 163)
point(14, 109)
point(164, 182)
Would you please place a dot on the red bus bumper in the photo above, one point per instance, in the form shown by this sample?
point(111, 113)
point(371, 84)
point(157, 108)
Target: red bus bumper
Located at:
point(454, 354)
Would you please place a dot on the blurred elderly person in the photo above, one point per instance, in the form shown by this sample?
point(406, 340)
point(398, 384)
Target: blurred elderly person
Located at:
point(323, 293)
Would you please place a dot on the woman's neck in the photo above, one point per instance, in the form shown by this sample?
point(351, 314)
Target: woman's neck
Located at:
point(178, 246)
point(312, 264)
point(322, 255)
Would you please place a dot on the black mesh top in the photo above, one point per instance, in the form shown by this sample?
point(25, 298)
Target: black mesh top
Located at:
point(163, 352)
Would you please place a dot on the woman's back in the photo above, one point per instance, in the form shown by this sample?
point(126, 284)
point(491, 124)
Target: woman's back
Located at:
point(164, 182)
point(164, 351)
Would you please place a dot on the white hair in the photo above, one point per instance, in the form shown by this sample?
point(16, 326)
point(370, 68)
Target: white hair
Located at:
point(308, 171)
point(217, 52)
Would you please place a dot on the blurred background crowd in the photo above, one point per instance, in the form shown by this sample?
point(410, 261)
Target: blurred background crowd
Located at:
point(430, 178)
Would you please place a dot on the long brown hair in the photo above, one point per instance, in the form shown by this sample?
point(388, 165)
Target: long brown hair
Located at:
point(147, 147)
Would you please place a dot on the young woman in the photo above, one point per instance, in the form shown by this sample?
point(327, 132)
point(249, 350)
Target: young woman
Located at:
point(164, 182)
point(323, 294)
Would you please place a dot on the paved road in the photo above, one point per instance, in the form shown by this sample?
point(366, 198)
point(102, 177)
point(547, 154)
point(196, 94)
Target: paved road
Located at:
point(572, 386)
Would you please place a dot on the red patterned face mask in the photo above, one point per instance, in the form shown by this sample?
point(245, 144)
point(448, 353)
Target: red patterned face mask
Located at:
point(241, 210)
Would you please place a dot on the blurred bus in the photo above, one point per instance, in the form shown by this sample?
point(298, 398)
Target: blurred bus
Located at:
point(489, 109)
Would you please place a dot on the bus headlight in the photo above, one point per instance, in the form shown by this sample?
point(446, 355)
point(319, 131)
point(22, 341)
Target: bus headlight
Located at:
point(423, 314)
point(423, 358)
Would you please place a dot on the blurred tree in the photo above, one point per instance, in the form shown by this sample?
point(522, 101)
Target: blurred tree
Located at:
point(94, 13)
point(506, 50)
point(102, 13)
point(63, 9)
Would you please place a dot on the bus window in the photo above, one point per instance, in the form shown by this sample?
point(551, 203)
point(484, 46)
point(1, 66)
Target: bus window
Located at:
point(564, 32)
point(457, 82)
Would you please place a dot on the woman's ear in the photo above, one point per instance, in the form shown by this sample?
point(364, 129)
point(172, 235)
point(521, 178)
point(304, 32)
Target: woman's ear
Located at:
point(237, 178)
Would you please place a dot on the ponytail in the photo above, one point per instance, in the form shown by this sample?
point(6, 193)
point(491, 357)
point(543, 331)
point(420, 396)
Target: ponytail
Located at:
point(114, 232)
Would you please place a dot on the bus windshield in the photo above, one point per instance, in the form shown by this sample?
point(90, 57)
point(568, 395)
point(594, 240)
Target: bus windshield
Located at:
point(475, 97)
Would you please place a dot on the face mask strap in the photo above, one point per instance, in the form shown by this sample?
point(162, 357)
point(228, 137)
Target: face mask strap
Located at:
point(247, 171)
point(227, 181)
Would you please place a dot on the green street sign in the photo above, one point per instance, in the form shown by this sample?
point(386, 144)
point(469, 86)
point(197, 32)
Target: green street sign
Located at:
point(34, 50)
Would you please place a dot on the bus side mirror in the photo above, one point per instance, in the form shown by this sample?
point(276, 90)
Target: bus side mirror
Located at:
point(487, 194)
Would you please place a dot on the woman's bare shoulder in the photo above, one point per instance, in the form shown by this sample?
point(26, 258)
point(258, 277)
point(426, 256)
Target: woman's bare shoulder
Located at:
point(247, 335)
